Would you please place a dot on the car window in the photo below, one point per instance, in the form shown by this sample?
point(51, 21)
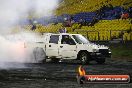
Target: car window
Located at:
point(66, 39)
point(80, 39)
point(54, 39)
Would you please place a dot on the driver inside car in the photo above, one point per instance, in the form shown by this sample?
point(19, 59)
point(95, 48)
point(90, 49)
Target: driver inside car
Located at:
point(67, 40)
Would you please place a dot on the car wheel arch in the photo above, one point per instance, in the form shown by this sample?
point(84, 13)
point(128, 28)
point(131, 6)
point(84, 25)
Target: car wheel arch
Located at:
point(81, 52)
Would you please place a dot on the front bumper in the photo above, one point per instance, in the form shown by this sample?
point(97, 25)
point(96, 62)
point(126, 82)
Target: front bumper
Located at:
point(101, 55)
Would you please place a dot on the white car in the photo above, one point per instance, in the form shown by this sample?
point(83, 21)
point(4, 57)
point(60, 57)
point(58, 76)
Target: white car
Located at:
point(70, 47)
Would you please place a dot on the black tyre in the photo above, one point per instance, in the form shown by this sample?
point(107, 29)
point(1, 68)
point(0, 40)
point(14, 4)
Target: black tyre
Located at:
point(39, 55)
point(55, 60)
point(84, 57)
point(100, 60)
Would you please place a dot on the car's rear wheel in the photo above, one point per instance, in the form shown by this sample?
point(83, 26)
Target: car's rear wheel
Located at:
point(39, 55)
point(84, 57)
point(54, 60)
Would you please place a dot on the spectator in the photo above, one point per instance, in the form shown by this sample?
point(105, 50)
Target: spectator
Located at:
point(124, 15)
point(33, 27)
point(130, 12)
point(95, 20)
point(82, 22)
point(62, 30)
point(67, 22)
point(33, 23)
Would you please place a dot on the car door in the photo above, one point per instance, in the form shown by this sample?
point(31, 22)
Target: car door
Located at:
point(67, 48)
point(52, 49)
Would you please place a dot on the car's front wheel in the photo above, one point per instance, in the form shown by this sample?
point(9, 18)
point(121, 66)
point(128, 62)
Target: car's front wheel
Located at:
point(84, 57)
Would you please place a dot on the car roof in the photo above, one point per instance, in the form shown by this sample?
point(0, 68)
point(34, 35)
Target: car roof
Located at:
point(59, 34)
point(65, 34)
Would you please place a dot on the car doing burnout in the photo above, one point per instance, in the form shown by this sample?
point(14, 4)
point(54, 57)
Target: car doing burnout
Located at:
point(66, 46)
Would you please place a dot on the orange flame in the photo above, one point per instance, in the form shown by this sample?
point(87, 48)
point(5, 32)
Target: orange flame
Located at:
point(81, 71)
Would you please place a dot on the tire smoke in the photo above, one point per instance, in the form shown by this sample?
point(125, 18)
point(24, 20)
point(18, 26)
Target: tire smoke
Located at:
point(11, 12)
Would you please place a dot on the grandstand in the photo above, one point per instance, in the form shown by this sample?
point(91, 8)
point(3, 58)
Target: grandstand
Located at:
point(108, 25)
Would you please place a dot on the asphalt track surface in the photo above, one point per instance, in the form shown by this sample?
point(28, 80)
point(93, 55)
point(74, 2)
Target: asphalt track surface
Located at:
point(60, 75)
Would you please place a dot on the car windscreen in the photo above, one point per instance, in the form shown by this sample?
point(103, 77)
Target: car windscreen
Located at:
point(80, 39)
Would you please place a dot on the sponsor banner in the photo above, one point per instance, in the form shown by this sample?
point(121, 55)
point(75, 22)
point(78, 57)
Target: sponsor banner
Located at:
point(107, 78)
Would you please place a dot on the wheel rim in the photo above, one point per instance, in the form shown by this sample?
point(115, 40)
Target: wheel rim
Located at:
point(83, 57)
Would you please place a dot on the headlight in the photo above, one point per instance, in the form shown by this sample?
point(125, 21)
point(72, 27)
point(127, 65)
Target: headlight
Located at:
point(109, 51)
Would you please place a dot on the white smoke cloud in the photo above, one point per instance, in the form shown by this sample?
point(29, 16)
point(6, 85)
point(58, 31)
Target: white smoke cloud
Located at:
point(13, 49)
point(46, 8)
point(11, 11)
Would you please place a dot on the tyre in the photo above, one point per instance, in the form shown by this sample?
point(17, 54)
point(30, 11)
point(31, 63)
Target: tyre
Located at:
point(100, 60)
point(55, 60)
point(84, 57)
point(39, 55)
